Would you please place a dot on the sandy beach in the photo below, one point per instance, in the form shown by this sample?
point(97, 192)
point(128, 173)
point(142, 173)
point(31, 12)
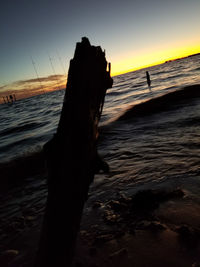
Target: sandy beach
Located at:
point(157, 227)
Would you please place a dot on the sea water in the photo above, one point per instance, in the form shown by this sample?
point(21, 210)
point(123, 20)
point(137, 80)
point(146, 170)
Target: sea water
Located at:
point(28, 123)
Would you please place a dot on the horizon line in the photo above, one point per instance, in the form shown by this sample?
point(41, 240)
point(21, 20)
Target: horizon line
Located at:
point(155, 64)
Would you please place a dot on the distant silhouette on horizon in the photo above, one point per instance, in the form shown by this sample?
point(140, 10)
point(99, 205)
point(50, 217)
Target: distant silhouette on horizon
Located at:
point(11, 98)
point(148, 80)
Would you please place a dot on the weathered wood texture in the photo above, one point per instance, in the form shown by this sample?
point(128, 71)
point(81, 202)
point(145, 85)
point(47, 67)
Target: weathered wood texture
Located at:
point(72, 156)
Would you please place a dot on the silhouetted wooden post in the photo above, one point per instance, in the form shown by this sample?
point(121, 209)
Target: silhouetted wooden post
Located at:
point(72, 156)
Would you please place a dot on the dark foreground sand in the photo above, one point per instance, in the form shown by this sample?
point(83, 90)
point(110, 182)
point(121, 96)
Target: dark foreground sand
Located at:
point(158, 227)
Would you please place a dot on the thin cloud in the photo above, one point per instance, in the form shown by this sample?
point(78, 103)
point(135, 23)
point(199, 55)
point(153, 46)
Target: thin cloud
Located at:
point(41, 79)
point(30, 87)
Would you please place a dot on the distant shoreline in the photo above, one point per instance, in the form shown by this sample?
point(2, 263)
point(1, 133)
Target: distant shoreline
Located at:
point(168, 61)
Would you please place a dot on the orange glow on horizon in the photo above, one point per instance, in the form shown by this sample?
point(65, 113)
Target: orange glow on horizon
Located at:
point(133, 63)
point(32, 87)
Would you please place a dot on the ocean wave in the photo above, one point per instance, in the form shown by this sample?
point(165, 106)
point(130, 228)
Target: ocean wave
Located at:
point(137, 85)
point(194, 121)
point(22, 128)
point(196, 69)
point(114, 93)
point(162, 102)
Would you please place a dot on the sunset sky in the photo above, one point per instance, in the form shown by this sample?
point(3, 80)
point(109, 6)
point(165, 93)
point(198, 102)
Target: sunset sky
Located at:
point(135, 33)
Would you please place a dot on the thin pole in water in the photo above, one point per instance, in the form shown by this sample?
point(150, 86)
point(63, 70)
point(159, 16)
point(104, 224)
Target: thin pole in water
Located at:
point(148, 80)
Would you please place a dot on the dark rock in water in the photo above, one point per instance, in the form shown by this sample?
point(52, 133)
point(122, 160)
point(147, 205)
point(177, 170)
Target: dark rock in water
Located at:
point(145, 201)
point(150, 200)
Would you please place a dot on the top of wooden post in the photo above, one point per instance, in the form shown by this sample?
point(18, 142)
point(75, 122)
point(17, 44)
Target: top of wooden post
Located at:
point(88, 80)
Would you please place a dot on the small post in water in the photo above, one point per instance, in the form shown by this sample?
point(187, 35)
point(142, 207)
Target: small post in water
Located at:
point(148, 80)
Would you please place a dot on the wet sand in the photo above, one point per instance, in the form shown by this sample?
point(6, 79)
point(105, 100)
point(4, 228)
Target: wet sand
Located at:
point(155, 227)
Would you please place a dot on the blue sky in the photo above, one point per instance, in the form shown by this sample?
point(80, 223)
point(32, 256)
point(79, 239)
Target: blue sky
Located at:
point(130, 31)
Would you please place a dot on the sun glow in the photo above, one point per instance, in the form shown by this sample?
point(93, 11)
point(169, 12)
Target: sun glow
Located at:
point(144, 59)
